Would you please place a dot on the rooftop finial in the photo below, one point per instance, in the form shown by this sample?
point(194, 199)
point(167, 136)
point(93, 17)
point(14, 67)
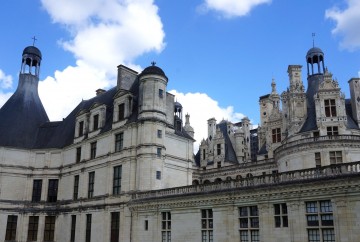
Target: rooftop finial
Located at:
point(313, 37)
point(153, 63)
point(34, 39)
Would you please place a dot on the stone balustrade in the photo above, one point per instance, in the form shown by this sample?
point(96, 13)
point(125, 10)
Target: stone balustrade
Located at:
point(324, 172)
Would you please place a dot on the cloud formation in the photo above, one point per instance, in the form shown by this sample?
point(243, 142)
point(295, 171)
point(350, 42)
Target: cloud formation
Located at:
point(104, 33)
point(199, 114)
point(347, 24)
point(232, 8)
point(6, 82)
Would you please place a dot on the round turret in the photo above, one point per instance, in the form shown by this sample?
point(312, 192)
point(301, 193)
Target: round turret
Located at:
point(315, 56)
point(31, 60)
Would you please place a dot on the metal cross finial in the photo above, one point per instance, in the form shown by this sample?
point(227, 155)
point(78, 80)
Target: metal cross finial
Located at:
point(313, 36)
point(153, 63)
point(34, 39)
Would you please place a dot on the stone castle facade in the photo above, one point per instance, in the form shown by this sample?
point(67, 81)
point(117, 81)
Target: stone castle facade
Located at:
point(121, 166)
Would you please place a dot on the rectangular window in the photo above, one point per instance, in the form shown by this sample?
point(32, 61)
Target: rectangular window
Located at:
point(218, 149)
point(119, 141)
point(159, 133)
point(249, 224)
point(115, 227)
point(91, 184)
point(11, 227)
point(166, 227)
point(161, 93)
point(158, 152)
point(332, 130)
point(49, 229)
point(76, 187)
point(81, 128)
point(204, 154)
point(320, 221)
point(207, 225)
point(219, 164)
point(330, 107)
point(33, 228)
point(96, 122)
point(318, 159)
point(52, 190)
point(36, 194)
point(158, 175)
point(276, 135)
point(78, 154)
point(280, 215)
point(121, 115)
point(117, 180)
point(73, 228)
point(93, 150)
point(146, 225)
point(335, 157)
point(88, 228)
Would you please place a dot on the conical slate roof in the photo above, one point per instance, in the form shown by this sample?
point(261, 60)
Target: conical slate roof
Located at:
point(22, 114)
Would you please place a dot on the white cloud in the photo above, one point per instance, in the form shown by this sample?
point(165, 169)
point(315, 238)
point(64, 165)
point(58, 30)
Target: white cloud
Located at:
point(201, 107)
point(232, 8)
point(347, 24)
point(105, 33)
point(61, 93)
point(6, 82)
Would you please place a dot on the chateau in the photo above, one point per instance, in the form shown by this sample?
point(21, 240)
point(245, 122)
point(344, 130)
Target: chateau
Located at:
point(121, 166)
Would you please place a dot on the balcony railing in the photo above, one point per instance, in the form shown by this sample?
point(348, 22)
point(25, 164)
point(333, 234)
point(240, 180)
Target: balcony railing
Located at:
point(317, 139)
point(331, 171)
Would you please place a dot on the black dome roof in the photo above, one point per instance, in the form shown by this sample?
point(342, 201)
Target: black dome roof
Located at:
point(153, 70)
point(314, 51)
point(32, 50)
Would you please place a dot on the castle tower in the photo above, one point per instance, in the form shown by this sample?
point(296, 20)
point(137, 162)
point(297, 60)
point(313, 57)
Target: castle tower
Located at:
point(187, 127)
point(151, 150)
point(23, 113)
point(211, 128)
point(354, 84)
point(178, 116)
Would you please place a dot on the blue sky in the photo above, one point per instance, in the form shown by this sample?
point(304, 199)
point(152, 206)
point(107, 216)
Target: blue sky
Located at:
point(219, 55)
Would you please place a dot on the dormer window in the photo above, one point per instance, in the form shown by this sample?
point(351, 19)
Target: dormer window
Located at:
point(121, 115)
point(276, 135)
point(330, 107)
point(218, 149)
point(96, 122)
point(332, 130)
point(81, 128)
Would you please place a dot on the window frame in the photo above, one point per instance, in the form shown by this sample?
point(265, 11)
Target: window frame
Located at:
point(73, 228)
point(114, 226)
point(11, 227)
point(91, 184)
point(119, 141)
point(335, 157)
point(276, 135)
point(53, 187)
point(96, 119)
point(121, 111)
point(207, 225)
point(33, 228)
point(37, 190)
point(249, 224)
point(88, 228)
point(165, 226)
point(117, 176)
point(49, 228)
point(76, 187)
point(330, 108)
point(281, 215)
point(93, 147)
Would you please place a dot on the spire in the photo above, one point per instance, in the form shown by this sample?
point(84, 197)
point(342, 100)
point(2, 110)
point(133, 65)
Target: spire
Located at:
point(273, 86)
